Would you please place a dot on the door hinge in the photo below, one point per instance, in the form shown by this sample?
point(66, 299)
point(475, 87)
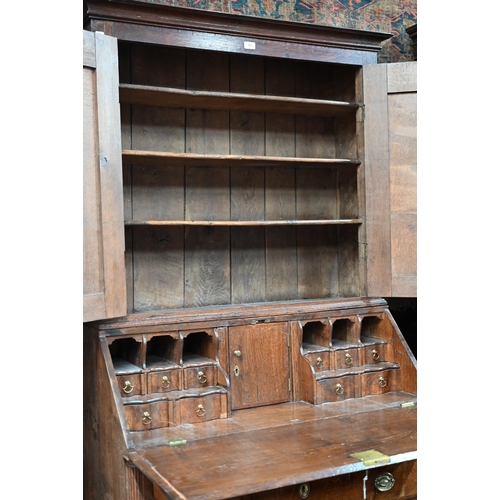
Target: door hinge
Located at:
point(289, 384)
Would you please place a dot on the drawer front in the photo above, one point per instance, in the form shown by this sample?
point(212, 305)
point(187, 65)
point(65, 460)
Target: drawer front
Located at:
point(374, 353)
point(337, 389)
point(378, 382)
point(201, 376)
point(143, 417)
point(347, 486)
point(345, 358)
point(201, 409)
point(319, 360)
point(130, 385)
point(165, 381)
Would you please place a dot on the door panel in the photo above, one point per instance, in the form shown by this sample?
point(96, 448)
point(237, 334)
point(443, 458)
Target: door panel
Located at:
point(390, 97)
point(259, 366)
point(103, 234)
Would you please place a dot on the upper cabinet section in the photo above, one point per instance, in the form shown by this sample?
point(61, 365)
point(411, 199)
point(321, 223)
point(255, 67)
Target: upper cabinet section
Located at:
point(243, 157)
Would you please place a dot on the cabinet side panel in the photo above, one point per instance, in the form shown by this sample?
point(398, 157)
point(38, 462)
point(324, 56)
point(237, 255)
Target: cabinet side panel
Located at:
point(104, 444)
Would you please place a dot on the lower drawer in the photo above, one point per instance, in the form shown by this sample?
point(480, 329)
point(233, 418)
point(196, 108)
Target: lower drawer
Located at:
point(378, 382)
point(201, 376)
point(345, 487)
point(191, 410)
point(336, 389)
point(146, 416)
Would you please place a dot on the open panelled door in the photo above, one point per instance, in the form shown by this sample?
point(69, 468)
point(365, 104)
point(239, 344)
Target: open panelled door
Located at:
point(390, 93)
point(104, 293)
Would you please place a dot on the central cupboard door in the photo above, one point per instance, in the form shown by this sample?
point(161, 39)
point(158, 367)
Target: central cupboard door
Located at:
point(259, 364)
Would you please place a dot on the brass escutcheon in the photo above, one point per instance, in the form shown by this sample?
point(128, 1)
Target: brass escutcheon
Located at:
point(200, 411)
point(128, 387)
point(146, 419)
point(319, 362)
point(384, 481)
point(165, 383)
point(339, 389)
point(236, 371)
point(375, 355)
point(382, 382)
point(202, 378)
point(348, 359)
point(304, 490)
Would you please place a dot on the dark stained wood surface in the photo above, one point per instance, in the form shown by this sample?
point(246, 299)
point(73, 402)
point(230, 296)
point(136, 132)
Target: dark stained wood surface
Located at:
point(295, 450)
point(263, 374)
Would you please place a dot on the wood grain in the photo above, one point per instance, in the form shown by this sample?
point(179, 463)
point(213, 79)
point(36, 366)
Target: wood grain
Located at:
point(402, 124)
point(236, 100)
point(248, 265)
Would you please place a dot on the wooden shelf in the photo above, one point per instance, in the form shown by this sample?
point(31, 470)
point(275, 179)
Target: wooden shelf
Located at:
point(215, 160)
point(178, 98)
point(325, 222)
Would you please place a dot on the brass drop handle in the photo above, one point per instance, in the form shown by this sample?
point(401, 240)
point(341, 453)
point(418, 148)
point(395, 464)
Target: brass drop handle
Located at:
point(375, 355)
point(200, 411)
point(146, 419)
point(339, 389)
point(202, 378)
point(382, 382)
point(348, 359)
point(384, 481)
point(128, 388)
point(304, 490)
point(319, 362)
point(165, 383)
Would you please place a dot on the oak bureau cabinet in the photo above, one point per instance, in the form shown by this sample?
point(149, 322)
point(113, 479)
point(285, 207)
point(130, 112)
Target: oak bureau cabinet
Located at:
point(248, 355)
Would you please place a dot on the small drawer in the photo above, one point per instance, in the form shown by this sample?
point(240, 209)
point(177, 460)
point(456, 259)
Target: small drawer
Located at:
point(345, 358)
point(165, 381)
point(319, 360)
point(146, 416)
point(336, 389)
point(130, 385)
point(378, 382)
point(200, 376)
point(374, 353)
point(200, 409)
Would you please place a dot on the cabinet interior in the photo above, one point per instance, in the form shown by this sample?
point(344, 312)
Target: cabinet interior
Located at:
point(233, 202)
